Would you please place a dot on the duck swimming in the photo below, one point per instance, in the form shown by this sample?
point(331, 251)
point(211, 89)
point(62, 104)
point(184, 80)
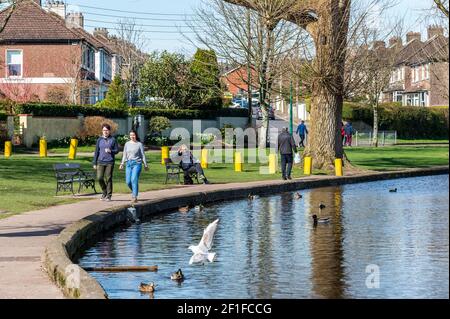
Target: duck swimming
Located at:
point(394, 190)
point(143, 287)
point(317, 220)
point(178, 275)
point(298, 196)
point(252, 197)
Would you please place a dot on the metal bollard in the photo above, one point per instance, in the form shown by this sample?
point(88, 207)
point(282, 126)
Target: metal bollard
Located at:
point(43, 147)
point(204, 161)
point(164, 154)
point(307, 166)
point(238, 162)
point(8, 149)
point(73, 149)
point(338, 167)
point(273, 161)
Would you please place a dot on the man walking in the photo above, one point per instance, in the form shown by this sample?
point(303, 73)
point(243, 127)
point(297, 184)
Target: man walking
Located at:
point(302, 131)
point(103, 162)
point(287, 148)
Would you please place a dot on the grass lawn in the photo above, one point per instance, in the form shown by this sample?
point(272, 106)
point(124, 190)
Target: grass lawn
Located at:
point(425, 141)
point(27, 182)
point(397, 157)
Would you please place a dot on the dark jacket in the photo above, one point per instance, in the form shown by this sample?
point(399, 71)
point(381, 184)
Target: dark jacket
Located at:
point(348, 128)
point(187, 160)
point(100, 156)
point(302, 130)
point(286, 143)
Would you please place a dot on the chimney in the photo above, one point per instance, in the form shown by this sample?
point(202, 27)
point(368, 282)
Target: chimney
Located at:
point(395, 41)
point(101, 32)
point(75, 20)
point(58, 7)
point(379, 45)
point(413, 36)
point(435, 30)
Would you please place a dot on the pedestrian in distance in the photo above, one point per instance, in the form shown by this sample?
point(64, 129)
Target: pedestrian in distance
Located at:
point(343, 133)
point(302, 131)
point(104, 158)
point(348, 134)
point(134, 158)
point(287, 148)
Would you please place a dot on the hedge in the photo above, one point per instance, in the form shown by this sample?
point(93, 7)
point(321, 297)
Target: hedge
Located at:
point(45, 109)
point(408, 121)
point(3, 117)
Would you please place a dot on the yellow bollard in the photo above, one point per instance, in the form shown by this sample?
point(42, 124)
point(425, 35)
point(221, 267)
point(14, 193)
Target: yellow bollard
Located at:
point(238, 162)
point(164, 154)
point(338, 167)
point(43, 147)
point(307, 166)
point(204, 161)
point(273, 161)
point(73, 149)
point(8, 149)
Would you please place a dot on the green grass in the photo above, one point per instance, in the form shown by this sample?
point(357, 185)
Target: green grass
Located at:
point(422, 141)
point(397, 157)
point(65, 150)
point(28, 183)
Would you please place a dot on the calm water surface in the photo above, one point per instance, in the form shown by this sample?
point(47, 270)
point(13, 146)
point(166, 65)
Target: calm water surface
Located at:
point(268, 248)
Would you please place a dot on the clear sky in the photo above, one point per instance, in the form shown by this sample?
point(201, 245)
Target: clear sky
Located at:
point(163, 19)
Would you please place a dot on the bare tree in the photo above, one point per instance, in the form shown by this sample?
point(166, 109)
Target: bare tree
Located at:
point(12, 6)
point(442, 6)
point(259, 39)
point(129, 44)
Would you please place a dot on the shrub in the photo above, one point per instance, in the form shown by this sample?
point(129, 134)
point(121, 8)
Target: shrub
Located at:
point(92, 126)
point(3, 135)
point(158, 124)
point(57, 94)
point(49, 109)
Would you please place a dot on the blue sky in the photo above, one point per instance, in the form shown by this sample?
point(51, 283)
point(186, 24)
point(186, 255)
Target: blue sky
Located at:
point(154, 14)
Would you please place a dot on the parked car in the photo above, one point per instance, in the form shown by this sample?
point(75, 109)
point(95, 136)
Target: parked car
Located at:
point(271, 114)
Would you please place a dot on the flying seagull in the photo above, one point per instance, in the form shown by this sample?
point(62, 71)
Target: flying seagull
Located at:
point(201, 251)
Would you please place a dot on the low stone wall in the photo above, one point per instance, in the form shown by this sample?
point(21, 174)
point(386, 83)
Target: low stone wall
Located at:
point(61, 251)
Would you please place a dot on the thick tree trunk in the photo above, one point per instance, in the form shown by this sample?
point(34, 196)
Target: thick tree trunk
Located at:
point(330, 37)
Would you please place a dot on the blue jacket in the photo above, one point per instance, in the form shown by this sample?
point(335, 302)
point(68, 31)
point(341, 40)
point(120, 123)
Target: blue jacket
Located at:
point(100, 156)
point(301, 129)
point(348, 129)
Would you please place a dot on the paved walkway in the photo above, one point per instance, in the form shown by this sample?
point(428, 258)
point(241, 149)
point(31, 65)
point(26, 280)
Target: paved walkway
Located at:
point(24, 237)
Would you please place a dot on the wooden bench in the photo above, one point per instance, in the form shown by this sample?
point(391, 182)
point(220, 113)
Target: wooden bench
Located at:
point(173, 171)
point(67, 174)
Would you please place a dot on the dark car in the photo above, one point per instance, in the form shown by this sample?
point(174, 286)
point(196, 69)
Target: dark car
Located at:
point(271, 114)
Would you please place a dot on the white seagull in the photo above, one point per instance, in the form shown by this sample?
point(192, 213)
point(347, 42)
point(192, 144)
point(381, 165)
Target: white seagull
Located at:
point(201, 251)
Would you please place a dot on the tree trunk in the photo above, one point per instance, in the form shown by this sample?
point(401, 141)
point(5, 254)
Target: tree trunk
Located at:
point(375, 124)
point(330, 38)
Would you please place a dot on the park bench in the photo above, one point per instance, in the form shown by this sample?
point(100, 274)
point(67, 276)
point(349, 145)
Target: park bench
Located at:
point(173, 171)
point(67, 174)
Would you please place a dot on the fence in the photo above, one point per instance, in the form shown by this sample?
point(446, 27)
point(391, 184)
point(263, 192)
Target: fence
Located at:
point(366, 138)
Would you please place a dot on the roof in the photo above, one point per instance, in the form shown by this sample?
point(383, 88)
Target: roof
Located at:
point(29, 22)
point(417, 52)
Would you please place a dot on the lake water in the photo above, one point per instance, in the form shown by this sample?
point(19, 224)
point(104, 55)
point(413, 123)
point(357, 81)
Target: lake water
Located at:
point(378, 245)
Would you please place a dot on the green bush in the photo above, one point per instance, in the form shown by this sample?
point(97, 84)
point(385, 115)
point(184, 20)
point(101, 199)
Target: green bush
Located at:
point(3, 116)
point(47, 109)
point(409, 121)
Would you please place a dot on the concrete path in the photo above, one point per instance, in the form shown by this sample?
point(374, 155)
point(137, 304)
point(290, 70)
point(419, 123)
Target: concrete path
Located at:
point(24, 237)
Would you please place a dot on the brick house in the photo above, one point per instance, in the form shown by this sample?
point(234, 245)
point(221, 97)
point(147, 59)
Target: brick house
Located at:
point(236, 80)
point(420, 74)
point(43, 50)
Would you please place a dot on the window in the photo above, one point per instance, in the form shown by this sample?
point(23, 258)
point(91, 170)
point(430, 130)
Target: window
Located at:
point(397, 96)
point(14, 63)
point(427, 72)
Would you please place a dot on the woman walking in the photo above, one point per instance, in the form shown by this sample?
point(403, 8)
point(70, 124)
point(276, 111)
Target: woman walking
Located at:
point(134, 157)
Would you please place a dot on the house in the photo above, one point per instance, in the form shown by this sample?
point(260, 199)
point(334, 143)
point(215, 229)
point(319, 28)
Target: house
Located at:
point(420, 74)
point(236, 80)
point(48, 54)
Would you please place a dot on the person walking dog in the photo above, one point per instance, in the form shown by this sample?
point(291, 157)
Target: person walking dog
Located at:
point(134, 157)
point(104, 157)
point(287, 148)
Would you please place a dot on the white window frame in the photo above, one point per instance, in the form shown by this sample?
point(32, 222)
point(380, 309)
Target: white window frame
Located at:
point(7, 65)
point(427, 71)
